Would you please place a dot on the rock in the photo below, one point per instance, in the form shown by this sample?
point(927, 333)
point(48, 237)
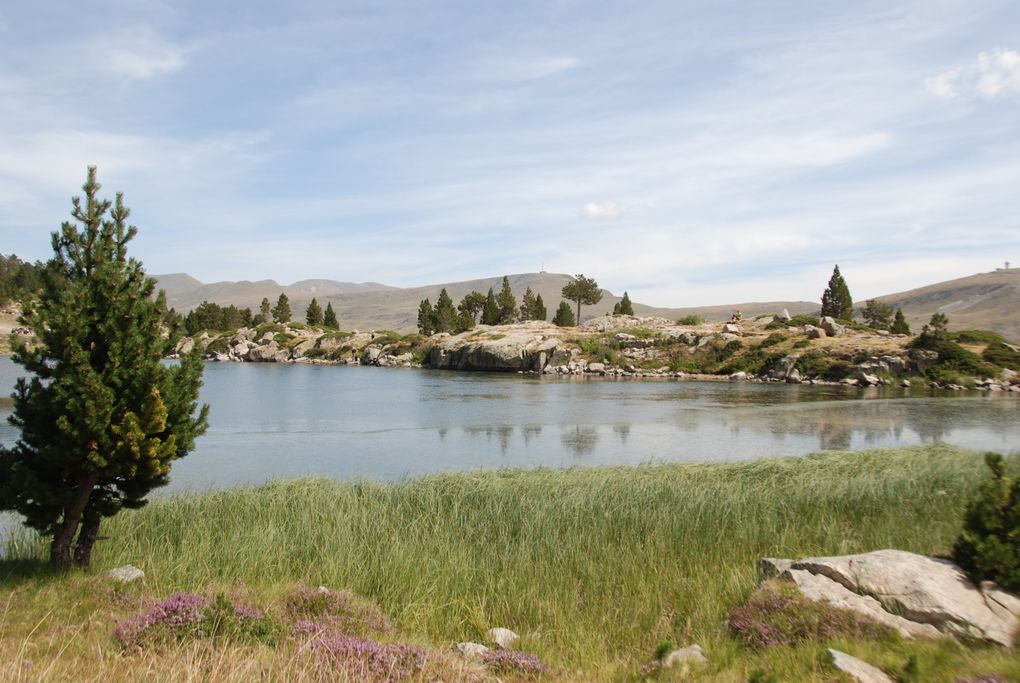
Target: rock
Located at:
point(526, 346)
point(882, 333)
point(783, 367)
point(793, 377)
point(732, 328)
point(126, 574)
point(268, 353)
point(868, 380)
point(597, 368)
point(860, 671)
point(472, 650)
point(504, 638)
point(1007, 375)
point(267, 337)
point(298, 350)
point(371, 355)
point(687, 657)
point(784, 316)
point(831, 327)
point(813, 332)
point(919, 589)
point(738, 376)
point(185, 346)
point(905, 383)
point(923, 359)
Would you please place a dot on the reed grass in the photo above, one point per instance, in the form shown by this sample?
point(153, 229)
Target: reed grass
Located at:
point(593, 567)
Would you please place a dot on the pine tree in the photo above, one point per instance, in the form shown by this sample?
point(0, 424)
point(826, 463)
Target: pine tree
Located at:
point(564, 316)
point(539, 312)
point(445, 315)
point(471, 305)
point(507, 303)
point(426, 318)
point(836, 299)
point(876, 314)
point(281, 311)
point(582, 290)
point(101, 418)
point(899, 324)
point(528, 305)
point(265, 313)
point(313, 314)
point(490, 310)
point(329, 318)
point(624, 306)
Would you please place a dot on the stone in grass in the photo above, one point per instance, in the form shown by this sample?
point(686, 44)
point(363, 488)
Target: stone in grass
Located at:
point(858, 670)
point(687, 658)
point(502, 637)
point(126, 574)
point(472, 650)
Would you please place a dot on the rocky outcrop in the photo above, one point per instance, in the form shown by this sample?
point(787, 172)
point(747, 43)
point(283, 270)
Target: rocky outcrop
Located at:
point(857, 669)
point(525, 347)
point(914, 594)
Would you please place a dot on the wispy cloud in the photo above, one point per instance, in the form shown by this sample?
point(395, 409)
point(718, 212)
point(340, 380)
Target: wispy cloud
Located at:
point(137, 53)
point(600, 210)
point(992, 74)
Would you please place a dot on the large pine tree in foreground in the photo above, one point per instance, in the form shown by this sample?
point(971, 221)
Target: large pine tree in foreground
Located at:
point(102, 417)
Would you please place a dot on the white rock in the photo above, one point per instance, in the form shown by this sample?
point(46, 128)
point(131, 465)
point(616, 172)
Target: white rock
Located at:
point(858, 670)
point(503, 637)
point(126, 574)
point(473, 650)
point(687, 657)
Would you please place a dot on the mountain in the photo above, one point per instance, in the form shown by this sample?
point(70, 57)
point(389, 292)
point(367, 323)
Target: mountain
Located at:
point(986, 301)
point(982, 301)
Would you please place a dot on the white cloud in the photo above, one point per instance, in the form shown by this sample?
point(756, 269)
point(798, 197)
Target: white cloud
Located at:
point(600, 210)
point(992, 74)
point(138, 54)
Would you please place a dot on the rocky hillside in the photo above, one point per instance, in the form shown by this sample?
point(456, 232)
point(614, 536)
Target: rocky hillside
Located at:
point(770, 348)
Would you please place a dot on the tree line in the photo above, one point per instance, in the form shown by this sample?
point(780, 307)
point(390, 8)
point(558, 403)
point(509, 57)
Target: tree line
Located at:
point(211, 316)
point(837, 303)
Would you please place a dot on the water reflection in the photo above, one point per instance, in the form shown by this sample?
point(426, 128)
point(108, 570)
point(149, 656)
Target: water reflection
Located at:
point(579, 439)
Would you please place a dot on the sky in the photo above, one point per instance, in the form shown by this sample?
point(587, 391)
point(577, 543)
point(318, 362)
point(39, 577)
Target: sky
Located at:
point(691, 153)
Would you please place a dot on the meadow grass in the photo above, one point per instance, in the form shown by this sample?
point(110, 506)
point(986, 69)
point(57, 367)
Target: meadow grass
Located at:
point(593, 567)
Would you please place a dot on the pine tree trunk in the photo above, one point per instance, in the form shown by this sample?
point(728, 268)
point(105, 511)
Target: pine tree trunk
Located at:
point(87, 538)
point(60, 548)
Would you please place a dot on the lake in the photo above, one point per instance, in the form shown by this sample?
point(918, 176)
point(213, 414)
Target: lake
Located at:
point(270, 421)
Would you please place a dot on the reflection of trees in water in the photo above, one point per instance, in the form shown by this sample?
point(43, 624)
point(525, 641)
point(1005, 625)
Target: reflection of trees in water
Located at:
point(500, 432)
point(529, 432)
point(581, 440)
point(622, 431)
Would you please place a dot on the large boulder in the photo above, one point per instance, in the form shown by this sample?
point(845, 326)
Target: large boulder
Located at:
point(935, 595)
point(268, 353)
point(506, 349)
point(782, 368)
point(831, 327)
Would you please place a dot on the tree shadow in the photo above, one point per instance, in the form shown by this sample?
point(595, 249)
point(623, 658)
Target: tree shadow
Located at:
point(14, 572)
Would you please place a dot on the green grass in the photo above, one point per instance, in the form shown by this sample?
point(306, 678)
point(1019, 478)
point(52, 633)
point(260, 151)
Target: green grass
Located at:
point(594, 567)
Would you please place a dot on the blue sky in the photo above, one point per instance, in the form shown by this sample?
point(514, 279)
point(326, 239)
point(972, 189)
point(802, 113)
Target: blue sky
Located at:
point(688, 152)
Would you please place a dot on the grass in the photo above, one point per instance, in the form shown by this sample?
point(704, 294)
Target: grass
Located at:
point(593, 567)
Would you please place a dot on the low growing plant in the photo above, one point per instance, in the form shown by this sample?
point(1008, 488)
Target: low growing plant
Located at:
point(690, 320)
point(989, 547)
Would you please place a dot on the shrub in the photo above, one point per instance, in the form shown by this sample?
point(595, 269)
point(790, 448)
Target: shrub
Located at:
point(690, 320)
point(509, 661)
point(188, 615)
point(781, 616)
point(341, 610)
point(989, 546)
point(361, 659)
point(978, 337)
point(772, 340)
point(1002, 355)
point(802, 343)
point(759, 675)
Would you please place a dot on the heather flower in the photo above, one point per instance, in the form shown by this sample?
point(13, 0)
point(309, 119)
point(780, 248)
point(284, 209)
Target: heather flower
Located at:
point(177, 616)
point(366, 660)
point(775, 617)
point(343, 610)
point(510, 661)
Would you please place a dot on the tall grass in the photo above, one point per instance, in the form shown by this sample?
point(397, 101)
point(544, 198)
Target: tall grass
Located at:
point(593, 567)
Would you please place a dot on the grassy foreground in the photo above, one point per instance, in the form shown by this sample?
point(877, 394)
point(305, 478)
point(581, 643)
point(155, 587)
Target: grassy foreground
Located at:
point(592, 567)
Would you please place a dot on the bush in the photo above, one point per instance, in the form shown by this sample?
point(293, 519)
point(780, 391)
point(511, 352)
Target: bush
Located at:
point(772, 340)
point(989, 547)
point(781, 616)
point(978, 337)
point(1003, 355)
point(690, 320)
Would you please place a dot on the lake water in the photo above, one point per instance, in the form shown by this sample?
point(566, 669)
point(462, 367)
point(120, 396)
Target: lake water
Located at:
point(270, 421)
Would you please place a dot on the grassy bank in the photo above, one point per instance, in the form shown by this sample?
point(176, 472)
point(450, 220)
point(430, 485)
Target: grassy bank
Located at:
point(593, 567)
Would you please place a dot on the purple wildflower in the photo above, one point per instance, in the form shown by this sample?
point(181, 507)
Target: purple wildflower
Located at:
point(343, 610)
point(177, 615)
point(510, 661)
point(366, 660)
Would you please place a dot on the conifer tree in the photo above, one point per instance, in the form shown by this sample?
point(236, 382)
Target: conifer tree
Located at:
point(329, 318)
point(265, 313)
point(102, 418)
point(471, 305)
point(507, 303)
point(582, 290)
point(281, 311)
point(445, 315)
point(313, 314)
point(836, 299)
point(876, 314)
point(426, 318)
point(539, 312)
point(528, 305)
point(490, 310)
point(899, 324)
point(623, 306)
point(564, 316)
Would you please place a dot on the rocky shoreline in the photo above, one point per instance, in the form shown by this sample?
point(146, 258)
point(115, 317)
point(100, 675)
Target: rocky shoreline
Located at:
point(622, 347)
